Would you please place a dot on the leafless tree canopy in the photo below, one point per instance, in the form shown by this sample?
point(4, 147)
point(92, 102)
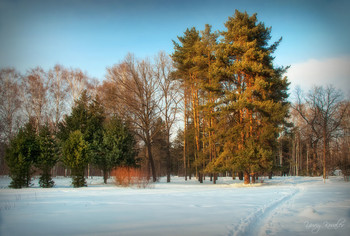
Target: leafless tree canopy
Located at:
point(323, 110)
point(144, 93)
point(138, 97)
point(10, 103)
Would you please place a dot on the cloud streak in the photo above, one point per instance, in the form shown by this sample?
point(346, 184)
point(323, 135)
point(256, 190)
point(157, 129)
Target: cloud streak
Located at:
point(321, 72)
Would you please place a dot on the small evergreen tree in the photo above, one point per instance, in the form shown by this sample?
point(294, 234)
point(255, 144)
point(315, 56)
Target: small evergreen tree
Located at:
point(75, 156)
point(48, 156)
point(21, 153)
point(113, 147)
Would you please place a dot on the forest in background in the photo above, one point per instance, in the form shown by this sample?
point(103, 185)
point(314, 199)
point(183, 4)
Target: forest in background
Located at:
point(216, 106)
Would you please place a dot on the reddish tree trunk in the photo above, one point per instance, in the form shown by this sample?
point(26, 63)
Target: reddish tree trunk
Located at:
point(253, 178)
point(246, 177)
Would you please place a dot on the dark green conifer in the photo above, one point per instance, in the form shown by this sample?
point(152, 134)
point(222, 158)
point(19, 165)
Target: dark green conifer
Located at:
point(48, 156)
point(21, 153)
point(113, 147)
point(75, 156)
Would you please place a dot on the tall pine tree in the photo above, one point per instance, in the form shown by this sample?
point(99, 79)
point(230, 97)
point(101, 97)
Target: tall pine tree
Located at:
point(187, 73)
point(254, 103)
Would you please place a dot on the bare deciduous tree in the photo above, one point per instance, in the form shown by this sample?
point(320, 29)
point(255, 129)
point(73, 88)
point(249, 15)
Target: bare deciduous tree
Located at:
point(323, 110)
point(58, 93)
point(107, 93)
point(10, 103)
point(35, 95)
point(138, 97)
point(169, 104)
point(77, 82)
point(343, 144)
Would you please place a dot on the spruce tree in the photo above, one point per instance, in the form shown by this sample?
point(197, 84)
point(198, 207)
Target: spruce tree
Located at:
point(22, 152)
point(75, 156)
point(48, 156)
point(113, 147)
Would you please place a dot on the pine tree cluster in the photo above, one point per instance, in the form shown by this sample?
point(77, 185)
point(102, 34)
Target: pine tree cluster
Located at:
point(235, 98)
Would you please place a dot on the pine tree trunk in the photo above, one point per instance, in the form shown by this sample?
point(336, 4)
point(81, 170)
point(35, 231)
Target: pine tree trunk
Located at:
point(240, 175)
point(196, 124)
point(246, 177)
point(189, 169)
point(281, 156)
point(185, 134)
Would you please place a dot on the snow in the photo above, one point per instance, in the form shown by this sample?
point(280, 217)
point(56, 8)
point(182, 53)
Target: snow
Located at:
point(280, 206)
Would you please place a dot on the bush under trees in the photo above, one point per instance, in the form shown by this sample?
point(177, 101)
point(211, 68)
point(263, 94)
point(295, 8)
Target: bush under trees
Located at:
point(131, 176)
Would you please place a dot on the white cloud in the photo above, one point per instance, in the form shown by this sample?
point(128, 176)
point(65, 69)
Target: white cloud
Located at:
point(330, 71)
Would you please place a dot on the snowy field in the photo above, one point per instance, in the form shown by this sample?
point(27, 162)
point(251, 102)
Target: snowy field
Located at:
point(281, 206)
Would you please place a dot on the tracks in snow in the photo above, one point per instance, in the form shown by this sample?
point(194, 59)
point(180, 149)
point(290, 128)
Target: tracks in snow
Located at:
point(253, 224)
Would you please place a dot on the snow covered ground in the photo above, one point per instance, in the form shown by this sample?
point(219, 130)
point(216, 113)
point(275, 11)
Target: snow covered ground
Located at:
point(281, 206)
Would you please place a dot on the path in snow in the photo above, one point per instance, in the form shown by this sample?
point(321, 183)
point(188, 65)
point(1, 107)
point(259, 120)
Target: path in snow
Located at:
point(255, 222)
point(300, 206)
point(318, 209)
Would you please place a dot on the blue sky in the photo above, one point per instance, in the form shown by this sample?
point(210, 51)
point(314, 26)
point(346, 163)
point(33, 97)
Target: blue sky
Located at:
point(92, 35)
